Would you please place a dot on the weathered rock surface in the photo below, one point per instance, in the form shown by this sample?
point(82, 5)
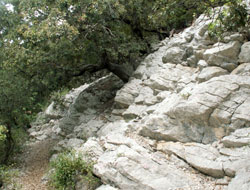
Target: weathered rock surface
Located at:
point(127, 94)
point(244, 56)
point(210, 72)
point(128, 165)
point(224, 55)
point(214, 160)
point(243, 69)
point(184, 113)
point(242, 180)
point(239, 138)
point(174, 55)
point(106, 187)
point(90, 102)
point(202, 157)
point(76, 111)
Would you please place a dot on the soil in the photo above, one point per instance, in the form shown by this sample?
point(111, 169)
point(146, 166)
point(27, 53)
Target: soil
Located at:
point(35, 164)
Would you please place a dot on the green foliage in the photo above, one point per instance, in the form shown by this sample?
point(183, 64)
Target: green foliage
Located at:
point(67, 168)
point(58, 96)
point(19, 136)
point(232, 17)
point(7, 178)
point(3, 131)
point(16, 99)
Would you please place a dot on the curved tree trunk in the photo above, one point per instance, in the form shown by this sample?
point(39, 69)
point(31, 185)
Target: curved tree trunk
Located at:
point(124, 72)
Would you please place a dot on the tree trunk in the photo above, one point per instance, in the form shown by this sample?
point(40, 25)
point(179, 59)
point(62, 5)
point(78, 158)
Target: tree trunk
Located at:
point(124, 72)
point(9, 143)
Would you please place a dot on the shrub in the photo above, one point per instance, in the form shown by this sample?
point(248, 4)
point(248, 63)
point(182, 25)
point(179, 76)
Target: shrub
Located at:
point(7, 178)
point(67, 169)
point(233, 17)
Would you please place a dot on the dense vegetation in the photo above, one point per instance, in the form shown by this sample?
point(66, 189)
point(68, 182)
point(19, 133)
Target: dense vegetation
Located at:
point(44, 44)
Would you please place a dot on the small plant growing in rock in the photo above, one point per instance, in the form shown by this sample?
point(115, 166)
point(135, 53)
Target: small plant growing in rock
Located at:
point(68, 170)
point(7, 178)
point(58, 96)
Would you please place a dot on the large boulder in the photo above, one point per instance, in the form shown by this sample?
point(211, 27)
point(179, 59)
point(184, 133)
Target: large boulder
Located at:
point(224, 55)
point(127, 94)
point(210, 72)
point(214, 160)
point(174, 55)
point(90, 102)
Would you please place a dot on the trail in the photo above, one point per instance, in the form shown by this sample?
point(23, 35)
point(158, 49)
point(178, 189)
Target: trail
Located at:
point(35, 165)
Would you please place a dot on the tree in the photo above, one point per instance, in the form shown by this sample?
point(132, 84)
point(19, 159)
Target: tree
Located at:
point(16, 105)
point(62, 39)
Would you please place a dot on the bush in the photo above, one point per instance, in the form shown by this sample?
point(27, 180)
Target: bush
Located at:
point(7, 178)
point(19, 136)
point(232, 17)
point(58, 96)
point(67, 169)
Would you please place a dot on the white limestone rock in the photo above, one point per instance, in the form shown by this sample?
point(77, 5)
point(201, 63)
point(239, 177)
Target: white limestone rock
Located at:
point(171, 78)
point(74, 143)
point(240, 137)
point(128, 165)
point(106, 187)
point(174, 55)
point(54, 111)
point(128, 93)
point(134, 111)
point(89, 102)
point(211, 72)
point(243, 70)
point(202, 157)
point(146, 97)
point(244, 56)
point(241, 180)
point(202, 64)
point(223, 55)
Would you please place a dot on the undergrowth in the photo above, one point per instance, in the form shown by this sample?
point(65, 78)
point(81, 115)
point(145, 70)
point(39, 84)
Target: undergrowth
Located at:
point(7, 178)
point(68, 169)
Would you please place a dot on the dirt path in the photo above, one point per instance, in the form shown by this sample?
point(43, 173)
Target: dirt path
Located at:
point(35, 165)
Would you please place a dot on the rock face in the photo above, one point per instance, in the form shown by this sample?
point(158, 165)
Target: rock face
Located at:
point(80, 108)
point(181, 122)
point(244, 54)
point(210, 72)
point(224, 55)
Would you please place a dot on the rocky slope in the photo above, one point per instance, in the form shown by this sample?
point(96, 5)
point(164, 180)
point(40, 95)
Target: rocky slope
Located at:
point(181, 122)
